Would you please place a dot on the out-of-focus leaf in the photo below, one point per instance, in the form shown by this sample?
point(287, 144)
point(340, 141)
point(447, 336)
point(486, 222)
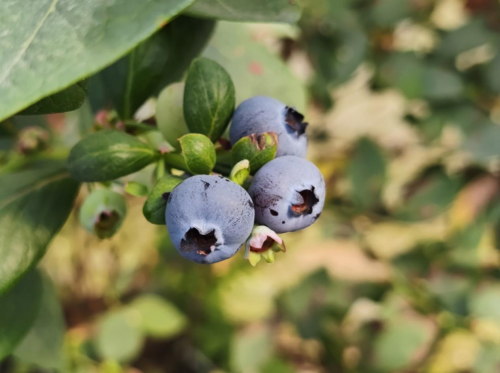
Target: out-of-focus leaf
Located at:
point(18, 310)
point(136, 189)
point(387, 13)
point(69, 99)
point(34, 205)
point(119, 336)
point(254, 70)
point(108, 155)
point(43, 344)
point(367, 173)
point(483, 143)
point(419, 79)
point(470, 36)
point(63, 42)
point(250, 350)
point(159, 318)
point(430, 195)
point(155, 63)
point(247, 11)
point(401, 344)
point(483, 303)
point(490, 74)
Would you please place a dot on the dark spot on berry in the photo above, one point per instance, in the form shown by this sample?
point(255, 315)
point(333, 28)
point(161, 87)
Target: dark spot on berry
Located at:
point(166, 196)
point(250, 203)
point(273, 212)
point(283, 222)
point(206, 185)
point(316, 217)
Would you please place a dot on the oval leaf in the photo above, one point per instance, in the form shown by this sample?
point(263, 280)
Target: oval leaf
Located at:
point(34, 205)
point(154, 208)
point(47, 45)
point(209, 98)
point(108, 155)
point(198, 152)
point(249, 11)
point(18, 310)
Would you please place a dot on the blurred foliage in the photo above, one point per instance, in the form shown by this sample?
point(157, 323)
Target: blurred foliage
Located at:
point(402, 271)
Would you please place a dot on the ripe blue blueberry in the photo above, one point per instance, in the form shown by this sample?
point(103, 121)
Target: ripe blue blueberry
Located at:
point(209, 218)
point(288, 193)
point(264, 114)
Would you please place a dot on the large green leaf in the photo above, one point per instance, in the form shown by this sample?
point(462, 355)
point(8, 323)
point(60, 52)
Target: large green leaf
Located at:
point(43, 344)
point(209, 98)
point(67, 100)
point(253, 68)
point(157, 62)
point(18, 310)
point(34, 204)
point(248, 11)
point(108, 155)
point(47, 45)
point(367, 173)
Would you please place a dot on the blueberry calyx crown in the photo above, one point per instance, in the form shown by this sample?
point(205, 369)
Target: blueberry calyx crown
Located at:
point(309, 199)
point(294, 120)
point(203, 244)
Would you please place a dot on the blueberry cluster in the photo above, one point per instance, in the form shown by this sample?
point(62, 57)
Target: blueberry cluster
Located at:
point(209, 217)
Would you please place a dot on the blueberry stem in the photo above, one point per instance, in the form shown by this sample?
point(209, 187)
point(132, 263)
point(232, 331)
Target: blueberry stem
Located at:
point(175, 160)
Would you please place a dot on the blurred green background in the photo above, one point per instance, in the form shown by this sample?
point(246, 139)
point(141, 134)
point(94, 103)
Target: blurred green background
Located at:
point(400, 274)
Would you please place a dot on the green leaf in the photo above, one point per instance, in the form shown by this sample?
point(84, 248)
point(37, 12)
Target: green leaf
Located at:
point(154, 208)
point(136, 189)
point(209, 98)
point(18, 311)
point(48, 45)
point(119, 335)
point(417, 78)
point(108, 155)
point(248, 11)
point(170, 114)
point(160, 60)
point(429, 195)
point(34, 205)
point(70, 99)
point(159, 318)
point(258, 149)
point(43, 345)
point(198, 152)
point(482, 145)
point(253, 68)
point(250, 350)
point(367, 173)
point(483, 302)
point(387, 13)
point(490, 74)
point(399, 343)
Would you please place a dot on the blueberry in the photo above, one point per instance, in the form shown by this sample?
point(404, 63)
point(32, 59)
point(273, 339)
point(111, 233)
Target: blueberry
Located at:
point(264, 114)
point(208, 220)
point(288, 194)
